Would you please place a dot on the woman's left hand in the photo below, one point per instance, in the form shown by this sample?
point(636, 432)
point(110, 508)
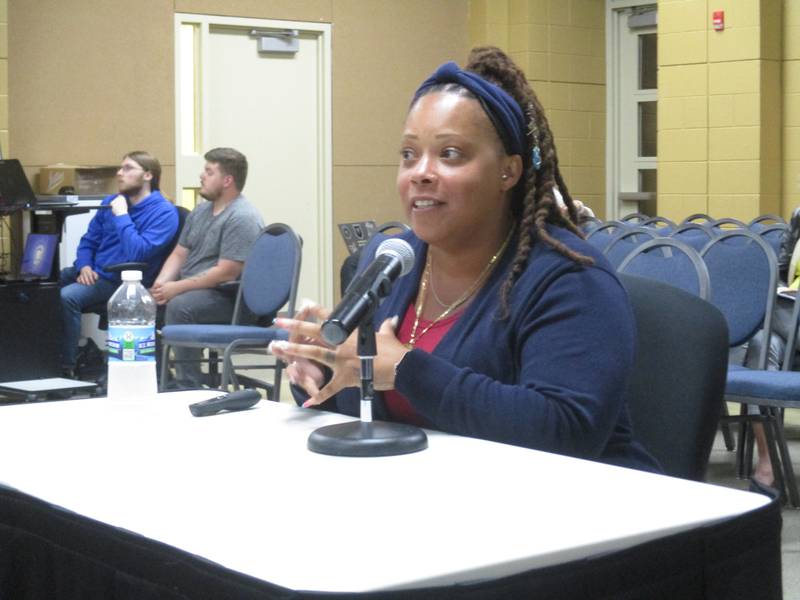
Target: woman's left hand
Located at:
point(342, 360)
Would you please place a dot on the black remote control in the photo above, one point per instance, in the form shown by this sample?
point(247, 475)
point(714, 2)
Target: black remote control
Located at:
point(240, 400)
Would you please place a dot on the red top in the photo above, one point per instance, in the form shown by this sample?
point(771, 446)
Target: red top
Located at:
point(398, 406)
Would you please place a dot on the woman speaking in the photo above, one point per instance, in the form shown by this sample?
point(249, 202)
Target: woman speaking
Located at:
point(510, 327)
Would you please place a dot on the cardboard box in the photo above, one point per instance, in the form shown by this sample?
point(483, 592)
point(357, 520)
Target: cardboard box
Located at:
point(83, 180)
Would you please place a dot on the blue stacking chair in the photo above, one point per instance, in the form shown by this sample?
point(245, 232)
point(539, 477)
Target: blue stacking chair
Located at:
point(773, 235)
point(728, 224)
point(601, 236)
point(763, 221)
point(661, 225)
point(670, 261)
point(696, 235)
point(701, 218)
point(743, 270)
point(626, 242)
point(635, 218)
point(269, 281)
point(773, 392)
point(589, 224)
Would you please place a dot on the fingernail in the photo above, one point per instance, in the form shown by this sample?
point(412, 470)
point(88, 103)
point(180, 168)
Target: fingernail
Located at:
point(279, 344)
point(395, 321)
point(306, 303)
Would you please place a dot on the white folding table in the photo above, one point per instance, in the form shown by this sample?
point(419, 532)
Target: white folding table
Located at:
point(242, 490)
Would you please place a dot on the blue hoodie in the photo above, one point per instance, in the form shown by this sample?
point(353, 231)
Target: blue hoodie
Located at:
point(142, 235)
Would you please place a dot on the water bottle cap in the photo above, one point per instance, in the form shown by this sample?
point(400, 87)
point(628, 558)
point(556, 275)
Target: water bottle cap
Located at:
point(131, 276)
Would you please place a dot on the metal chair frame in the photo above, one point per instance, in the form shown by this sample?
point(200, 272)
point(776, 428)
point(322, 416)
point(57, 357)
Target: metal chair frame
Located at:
point(703, 278)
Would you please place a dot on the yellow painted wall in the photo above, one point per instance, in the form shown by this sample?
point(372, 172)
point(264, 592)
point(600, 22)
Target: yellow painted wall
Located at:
point(5, 238)
point(719, 113)
point(79, 97)
point(560, 44)
point(791, 107)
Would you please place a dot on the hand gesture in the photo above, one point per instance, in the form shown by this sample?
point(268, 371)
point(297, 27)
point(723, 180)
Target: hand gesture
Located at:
point(119, 205)
point(306, 352)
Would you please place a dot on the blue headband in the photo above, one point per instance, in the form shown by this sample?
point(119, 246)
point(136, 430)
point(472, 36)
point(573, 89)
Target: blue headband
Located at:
point(503, 111)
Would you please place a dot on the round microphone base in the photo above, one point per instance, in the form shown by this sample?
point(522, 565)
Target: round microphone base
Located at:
point(376, 438)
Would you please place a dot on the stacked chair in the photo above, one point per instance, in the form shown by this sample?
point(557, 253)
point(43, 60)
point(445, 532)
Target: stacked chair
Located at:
point(733, 266)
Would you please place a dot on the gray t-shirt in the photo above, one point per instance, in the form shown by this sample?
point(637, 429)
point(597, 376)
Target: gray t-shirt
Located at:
point(228, 235)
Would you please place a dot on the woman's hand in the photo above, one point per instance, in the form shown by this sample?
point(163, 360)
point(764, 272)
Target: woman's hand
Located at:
point(302, 371)
point(306, 353)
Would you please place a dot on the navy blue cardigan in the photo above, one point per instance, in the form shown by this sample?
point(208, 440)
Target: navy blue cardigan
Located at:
point(551, 376)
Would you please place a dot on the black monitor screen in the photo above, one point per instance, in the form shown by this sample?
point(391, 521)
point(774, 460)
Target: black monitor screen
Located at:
point(15, 190)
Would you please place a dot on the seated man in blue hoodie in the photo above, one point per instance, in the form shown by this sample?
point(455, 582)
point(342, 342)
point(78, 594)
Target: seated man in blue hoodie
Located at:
point(138, 226)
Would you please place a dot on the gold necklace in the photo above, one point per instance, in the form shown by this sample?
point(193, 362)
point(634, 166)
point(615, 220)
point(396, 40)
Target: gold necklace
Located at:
point(435, 295)
point(425, 283)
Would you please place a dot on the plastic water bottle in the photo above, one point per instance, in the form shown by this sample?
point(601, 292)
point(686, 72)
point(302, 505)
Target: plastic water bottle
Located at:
point(131, 341)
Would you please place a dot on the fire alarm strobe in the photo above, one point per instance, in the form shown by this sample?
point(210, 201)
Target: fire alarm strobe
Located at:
point(718, 20)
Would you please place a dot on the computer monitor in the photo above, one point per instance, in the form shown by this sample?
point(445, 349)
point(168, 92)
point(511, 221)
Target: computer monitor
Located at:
point(15, 189)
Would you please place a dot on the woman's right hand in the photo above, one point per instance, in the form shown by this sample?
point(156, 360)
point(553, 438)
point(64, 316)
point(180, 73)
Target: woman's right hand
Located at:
point(303, 372)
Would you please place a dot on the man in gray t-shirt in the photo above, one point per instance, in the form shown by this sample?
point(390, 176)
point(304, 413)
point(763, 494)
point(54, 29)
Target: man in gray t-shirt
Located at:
point(211, 250)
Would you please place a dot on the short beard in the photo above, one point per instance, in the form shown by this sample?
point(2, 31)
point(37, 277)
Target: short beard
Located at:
point(131, 191)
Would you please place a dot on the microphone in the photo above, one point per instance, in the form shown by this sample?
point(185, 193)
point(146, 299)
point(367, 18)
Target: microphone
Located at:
point(394, 258)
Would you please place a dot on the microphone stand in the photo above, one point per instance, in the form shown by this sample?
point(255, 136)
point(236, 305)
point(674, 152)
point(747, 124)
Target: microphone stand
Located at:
point(367, 437)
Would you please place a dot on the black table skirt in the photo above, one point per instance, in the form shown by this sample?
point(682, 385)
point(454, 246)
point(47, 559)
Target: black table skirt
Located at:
point(49, 553)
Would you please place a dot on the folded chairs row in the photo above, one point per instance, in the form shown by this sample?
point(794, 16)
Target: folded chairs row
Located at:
point(733, 266)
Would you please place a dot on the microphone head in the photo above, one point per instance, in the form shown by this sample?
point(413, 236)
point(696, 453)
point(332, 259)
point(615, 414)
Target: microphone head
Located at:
point(400, 249)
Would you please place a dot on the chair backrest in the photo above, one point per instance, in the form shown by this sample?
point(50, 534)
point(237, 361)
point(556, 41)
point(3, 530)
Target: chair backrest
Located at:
point(635, 218)
point(695, 235)
point(271, 272)
point(698, 218)
point(588, 224)
point(183, 212)
point(767, 220)
point(389, 225)
point(773, 235)
point(675, 392)
point(744, 274)
point(626, 242)
point(600, 237)
point(728, 224)
point(672, 262)
point(349, 266)
point(661, 224)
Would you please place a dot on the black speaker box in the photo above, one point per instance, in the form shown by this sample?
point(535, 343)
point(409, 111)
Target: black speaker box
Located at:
point(30, 331)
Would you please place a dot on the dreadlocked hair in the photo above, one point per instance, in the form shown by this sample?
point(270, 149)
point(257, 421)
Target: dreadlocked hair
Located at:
point(534, 204)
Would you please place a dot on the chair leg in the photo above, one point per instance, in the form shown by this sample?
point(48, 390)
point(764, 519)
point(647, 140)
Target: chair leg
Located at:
point(164, 367)
point(228, 374)
point(774, 458)
point(276, 389)
point(727, 434)
point(785, 458)
point(740, 450)
point(749, 447)
point(213, 369)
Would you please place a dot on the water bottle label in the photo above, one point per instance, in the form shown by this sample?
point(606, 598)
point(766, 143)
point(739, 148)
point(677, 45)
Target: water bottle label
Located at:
point(131, 343)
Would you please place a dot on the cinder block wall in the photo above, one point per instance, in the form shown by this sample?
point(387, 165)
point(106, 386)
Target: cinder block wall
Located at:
point(719, 117)
point(5, 239)
point(791, 106)
point(560, 44)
